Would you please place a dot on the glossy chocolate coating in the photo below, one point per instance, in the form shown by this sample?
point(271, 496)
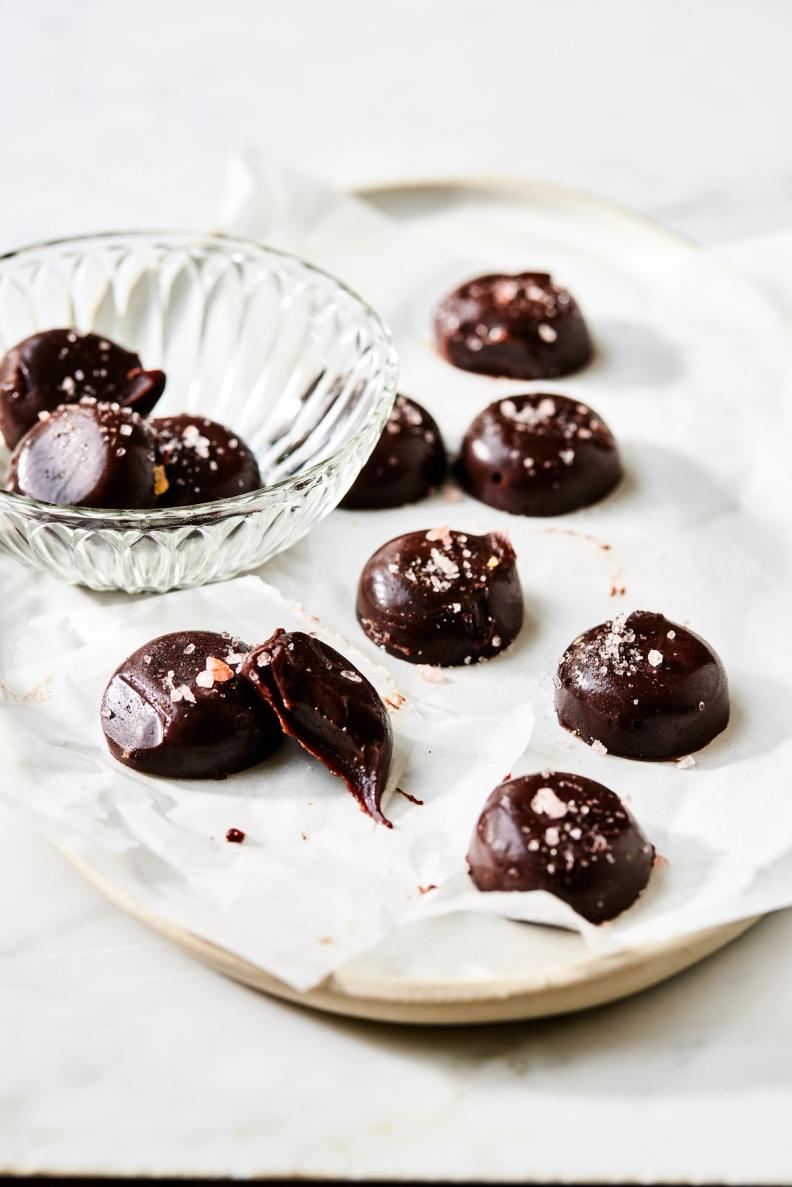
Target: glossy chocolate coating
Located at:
point(538, 455)
point(563, 834)
point(330, 708)
point(408, 462)
point(442, 597)
point(178, 707)
point(642, 687)
point(60, 367)
point(203, 461)
point(89, 455)
point(522, 326)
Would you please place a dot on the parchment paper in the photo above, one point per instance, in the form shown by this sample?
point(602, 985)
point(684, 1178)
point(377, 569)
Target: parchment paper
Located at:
point(692, 374)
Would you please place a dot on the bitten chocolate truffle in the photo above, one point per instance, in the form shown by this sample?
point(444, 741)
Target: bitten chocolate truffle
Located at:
point(408, 462)
point(329, 708)
point(563, 834)
point(642, 687)
point(60, 367)
point(442, 597)
point(178, 707)
point(523, 327)
point(89, 455)
point(203, 461)
point(538, 455)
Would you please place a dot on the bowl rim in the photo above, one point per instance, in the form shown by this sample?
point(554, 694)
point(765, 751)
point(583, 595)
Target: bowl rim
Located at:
point(156, 517)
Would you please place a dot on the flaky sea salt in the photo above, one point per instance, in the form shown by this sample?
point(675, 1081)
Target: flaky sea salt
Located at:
point(546, 803)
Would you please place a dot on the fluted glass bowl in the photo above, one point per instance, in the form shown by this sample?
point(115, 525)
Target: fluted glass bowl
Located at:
point(291, 360)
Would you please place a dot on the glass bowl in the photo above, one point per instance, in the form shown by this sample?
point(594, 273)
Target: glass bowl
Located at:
point(285, 355)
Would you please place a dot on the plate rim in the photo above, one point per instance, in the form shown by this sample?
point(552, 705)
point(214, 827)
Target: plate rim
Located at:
point(519, 185)
point(595, 980)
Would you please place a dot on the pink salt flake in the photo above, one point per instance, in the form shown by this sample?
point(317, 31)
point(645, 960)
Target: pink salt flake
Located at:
point(598, 747)
point(440, 535)
point(430, 674)
point(219, 669)
point(547, 803)
point(216, 672)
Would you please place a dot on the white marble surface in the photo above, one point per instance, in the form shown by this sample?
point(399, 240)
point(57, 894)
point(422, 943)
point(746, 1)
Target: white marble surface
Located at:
point(120, 1054)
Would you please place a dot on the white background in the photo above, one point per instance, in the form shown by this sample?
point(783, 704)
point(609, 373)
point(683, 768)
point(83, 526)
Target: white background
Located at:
point(122, 113)
point(121, 1055)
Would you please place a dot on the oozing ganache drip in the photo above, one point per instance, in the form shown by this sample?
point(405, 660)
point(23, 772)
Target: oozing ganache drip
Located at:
point(329, 708)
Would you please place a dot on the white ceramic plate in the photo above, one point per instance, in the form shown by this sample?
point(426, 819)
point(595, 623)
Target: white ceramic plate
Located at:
point(425, 974)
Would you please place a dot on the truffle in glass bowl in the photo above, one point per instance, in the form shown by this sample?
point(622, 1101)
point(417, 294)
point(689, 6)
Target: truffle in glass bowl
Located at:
point(285, 355)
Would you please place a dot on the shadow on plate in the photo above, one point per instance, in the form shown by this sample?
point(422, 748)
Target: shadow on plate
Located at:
point(631, 354)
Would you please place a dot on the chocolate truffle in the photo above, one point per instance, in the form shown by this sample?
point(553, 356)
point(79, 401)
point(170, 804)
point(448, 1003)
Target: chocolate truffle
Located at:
point(178, 707)
point(89, 455)
point(408, 462)
point(330, 708)
point(203, 461)
point(60, 367)
point(442, 597)
point(523, 327)
point(538, 455)
point(563, 834)
point(642, 687)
